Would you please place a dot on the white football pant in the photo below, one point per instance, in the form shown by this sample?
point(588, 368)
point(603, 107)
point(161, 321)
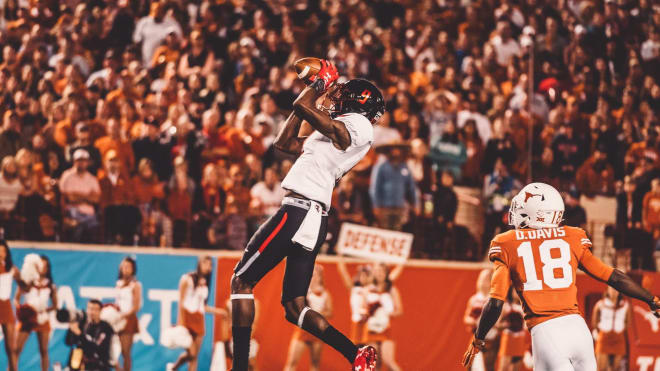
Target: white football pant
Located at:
point(563, 344)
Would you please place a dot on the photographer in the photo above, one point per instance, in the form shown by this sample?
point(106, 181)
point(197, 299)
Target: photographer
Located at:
point(90, 337)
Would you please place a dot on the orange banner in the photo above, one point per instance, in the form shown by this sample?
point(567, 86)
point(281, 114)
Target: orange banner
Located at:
point(430, 334)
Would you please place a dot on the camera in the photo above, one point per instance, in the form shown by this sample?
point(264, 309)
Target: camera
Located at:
point(70, 315)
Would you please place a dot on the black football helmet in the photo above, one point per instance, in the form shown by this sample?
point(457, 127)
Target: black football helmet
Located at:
point(357, 96)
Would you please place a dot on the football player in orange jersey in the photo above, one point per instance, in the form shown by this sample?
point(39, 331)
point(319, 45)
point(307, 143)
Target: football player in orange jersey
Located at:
point(540, 258)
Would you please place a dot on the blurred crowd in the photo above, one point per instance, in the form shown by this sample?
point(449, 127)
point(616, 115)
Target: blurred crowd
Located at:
point(151, 122)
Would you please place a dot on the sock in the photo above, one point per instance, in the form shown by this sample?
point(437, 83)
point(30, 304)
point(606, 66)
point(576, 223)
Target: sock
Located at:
point(340, 342)
point(241, 353)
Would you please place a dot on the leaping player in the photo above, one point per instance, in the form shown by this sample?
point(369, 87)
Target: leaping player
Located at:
point(541, 258)
point(329, 144)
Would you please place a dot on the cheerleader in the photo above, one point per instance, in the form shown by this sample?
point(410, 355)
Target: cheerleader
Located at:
point(611, 317)
point(484, 360)
point(319, 300)
point(193, 294)
point(8, 273)
point(34, 314)
point(513, 338)
point(357, 287)
point(383, 302)
point(129, 302)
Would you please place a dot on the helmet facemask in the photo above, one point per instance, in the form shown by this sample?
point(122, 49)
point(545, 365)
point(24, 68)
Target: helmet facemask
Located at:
point(518, 218)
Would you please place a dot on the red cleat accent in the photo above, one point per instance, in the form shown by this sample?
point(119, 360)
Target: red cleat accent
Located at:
point(365, 360)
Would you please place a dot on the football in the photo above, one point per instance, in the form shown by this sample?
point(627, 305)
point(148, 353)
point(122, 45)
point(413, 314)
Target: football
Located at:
point(307, 67)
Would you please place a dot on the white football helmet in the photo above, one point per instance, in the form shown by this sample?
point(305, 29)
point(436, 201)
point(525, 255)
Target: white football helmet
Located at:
point(537, 205)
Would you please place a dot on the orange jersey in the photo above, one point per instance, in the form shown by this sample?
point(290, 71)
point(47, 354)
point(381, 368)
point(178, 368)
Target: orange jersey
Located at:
point(542, 264)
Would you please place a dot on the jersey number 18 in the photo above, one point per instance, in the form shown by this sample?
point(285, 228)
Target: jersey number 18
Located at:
point(549, 265)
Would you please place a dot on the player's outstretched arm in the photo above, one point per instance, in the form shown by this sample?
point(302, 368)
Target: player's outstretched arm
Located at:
point(618, 280)
point(305, 107)
point(489, 316)
point(625, 285)
point(292, 135)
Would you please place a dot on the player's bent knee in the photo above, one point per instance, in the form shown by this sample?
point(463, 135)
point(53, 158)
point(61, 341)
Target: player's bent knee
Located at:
point(293, 308)
point(238, 286)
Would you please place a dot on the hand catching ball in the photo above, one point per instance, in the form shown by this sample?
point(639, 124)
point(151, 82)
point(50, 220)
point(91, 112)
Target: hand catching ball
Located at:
point(306, 68)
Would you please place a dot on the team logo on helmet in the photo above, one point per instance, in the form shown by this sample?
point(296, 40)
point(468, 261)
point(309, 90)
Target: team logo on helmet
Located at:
point(530, 195)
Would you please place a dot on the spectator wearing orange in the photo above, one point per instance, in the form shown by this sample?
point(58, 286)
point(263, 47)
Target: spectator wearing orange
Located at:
point(169, 51)
point(146, 185)
point(596, 176)
point(181, 190)
point(114, 141)
point(651, 210)
point(237, 140)
point(236, 188)
point(121, 218)
point(645, 150)
point(471, 172)
point(214, 149)
point(64, 133)
point(149, 196)
point(209, 206)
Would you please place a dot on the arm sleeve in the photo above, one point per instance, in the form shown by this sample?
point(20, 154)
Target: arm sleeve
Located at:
point(589, 262)
point(595, 266)
point(359, 128)
point(501, 281)
point(497, 252)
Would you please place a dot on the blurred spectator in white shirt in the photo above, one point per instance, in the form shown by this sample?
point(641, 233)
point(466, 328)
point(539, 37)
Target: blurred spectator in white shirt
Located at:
point(505, 46)
point(268, 194)
point(153, 29)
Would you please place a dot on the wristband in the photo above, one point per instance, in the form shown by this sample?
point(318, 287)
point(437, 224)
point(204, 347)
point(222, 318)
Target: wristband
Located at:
point(318, 85)
point(478, 343)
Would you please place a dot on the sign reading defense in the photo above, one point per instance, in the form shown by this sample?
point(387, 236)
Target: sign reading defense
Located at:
point(374, 243)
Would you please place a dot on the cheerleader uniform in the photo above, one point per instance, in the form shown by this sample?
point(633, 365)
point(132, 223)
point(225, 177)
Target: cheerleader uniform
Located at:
point(194, 302)
point(358, 313)
point(611, 325)
point(124, 301)
point(317, 303)
point(36, 298)
point(377, 327)
point(6, 312)
point(513, 341)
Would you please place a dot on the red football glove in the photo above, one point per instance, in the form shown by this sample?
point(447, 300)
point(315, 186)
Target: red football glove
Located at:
point(475, 347)
point(327, 75)
point(655, 306)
